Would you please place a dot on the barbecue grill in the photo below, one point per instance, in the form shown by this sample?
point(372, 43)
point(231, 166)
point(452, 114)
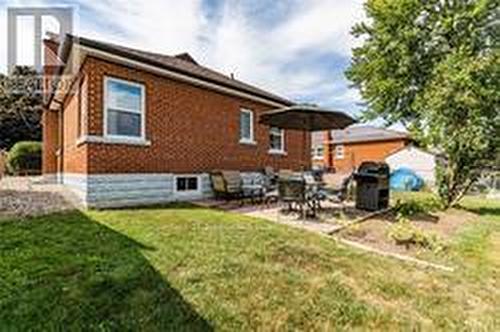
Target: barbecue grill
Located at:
point(372, 186)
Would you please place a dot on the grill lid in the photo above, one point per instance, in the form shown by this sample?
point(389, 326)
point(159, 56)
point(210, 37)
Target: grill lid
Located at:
point(373, 168)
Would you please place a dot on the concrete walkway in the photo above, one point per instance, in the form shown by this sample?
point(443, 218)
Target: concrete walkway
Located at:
point(29, 196)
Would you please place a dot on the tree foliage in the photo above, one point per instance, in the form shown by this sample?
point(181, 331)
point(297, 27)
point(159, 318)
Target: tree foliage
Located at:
point(20, 107)
point(434, 65)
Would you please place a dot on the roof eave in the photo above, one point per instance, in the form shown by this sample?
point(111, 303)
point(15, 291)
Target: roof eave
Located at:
point(70, 39)
point(402, 138)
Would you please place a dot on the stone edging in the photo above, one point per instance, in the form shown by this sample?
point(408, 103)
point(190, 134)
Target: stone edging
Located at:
point(394, 255)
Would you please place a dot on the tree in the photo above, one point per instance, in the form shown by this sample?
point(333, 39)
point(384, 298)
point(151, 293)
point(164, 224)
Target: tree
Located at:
point(434, 65)
point(20, 107)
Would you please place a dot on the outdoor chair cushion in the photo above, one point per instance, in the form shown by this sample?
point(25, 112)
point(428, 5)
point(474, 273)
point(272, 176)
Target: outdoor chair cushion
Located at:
point(218, 182)
point(233, 181)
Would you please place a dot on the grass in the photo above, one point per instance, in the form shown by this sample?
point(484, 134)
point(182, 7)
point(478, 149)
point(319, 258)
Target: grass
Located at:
point(187, 268)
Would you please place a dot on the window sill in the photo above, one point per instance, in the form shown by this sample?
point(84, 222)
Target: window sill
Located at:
point(113, 140)
point(247, 142)
point(277, 152)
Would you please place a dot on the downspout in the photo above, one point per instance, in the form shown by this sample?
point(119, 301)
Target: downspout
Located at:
point(60, 141)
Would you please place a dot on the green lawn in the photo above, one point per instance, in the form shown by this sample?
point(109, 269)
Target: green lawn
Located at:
point(187, 268)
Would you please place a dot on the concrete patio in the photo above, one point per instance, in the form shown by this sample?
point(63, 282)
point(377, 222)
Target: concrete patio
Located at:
point(330, 218)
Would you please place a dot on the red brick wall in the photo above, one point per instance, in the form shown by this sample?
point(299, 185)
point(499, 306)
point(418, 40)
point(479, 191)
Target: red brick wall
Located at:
point(74, 156)
point(191, 129)
point(49, 119)
point(50, 143)
point(356, 153)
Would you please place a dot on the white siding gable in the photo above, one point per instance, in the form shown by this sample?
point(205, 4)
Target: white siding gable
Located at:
point(421, 162)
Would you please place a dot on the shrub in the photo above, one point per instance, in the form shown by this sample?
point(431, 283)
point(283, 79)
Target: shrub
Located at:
point(405, 233)
point(415, 206)
point(25, 157)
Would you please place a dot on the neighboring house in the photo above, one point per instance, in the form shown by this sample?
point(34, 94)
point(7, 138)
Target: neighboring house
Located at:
point(129, 127)
point(422, 162)
point(346, 149)
point(318, 150)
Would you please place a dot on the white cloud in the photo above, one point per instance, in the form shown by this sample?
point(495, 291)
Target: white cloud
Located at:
point(276, 57)
point(292, 54)
point(163, 26)
point(320, 24)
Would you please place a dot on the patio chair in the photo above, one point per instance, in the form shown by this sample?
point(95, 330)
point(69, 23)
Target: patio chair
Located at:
point(270, 178)
point(313, 192)
point(226, 184)
point(292, 191)
point(285, 173)
point(336, 188)
point(233, 182)
point(229, 185)
point(218, 184)
point(254, 187)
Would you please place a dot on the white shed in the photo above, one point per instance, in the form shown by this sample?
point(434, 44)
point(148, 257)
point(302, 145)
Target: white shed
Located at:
point(421, 162)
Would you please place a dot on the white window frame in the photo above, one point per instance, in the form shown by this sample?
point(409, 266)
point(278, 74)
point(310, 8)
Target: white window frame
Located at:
point(142, 112)
point(83, 105)
point(198, 191)
point(339, 152)
point(316, 153)
point(282, 150)
point(245, 140)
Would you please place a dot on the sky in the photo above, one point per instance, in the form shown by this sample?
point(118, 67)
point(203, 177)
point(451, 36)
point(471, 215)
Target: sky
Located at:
point(296, 48)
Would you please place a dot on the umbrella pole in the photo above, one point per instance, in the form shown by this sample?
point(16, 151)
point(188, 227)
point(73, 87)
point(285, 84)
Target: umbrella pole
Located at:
point(304, 147)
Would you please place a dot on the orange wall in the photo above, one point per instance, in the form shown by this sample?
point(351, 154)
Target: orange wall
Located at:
point(356, 153)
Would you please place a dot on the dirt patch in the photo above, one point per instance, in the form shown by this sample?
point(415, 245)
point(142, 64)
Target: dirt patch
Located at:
point(375, 232)
point(341, 213)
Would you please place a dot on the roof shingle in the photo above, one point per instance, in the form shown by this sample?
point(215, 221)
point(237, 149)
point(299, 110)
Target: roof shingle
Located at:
point(366, 134)
point(180, 63)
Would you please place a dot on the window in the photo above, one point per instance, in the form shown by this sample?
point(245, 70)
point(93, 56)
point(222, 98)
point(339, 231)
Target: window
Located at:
point(82, 111)
point(124, 108)
point(339, 152)
point(276, 140)
point(186, 184)
point(246, 126)
point(317, 152)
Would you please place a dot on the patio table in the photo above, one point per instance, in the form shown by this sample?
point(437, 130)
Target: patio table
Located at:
point(253, 191)
point(309, 197)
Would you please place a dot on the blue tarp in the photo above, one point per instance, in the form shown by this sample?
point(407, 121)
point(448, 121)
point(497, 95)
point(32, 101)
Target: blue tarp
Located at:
point(405, 179)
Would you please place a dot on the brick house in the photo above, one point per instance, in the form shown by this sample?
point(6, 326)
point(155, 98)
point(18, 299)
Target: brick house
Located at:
point(318, 140)
point(344, 150)
point(126, 127)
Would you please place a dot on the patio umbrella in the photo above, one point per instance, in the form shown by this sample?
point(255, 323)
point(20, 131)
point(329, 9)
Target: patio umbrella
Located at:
point(306, 118)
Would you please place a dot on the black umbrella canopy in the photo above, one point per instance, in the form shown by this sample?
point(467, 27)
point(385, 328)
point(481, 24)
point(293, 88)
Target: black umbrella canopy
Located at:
point(306, 118)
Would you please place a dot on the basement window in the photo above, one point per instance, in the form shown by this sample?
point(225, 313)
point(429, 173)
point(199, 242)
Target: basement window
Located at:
point(187, 184)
